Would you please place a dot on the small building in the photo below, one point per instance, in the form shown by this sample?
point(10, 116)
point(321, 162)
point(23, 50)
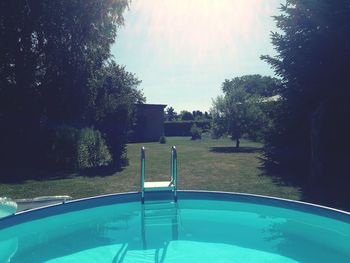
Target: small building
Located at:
point(149, 122)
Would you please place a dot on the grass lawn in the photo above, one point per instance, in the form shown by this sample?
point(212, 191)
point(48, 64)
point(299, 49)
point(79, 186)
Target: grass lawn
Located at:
point(202, 165)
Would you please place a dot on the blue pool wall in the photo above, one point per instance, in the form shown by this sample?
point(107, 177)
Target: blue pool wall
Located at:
point(85, 203)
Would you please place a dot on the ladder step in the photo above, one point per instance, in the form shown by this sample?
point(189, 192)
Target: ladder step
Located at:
point(158, 184)
point(162, 184)
point(163, 224)
point(163, 212)
point(160, 216)
point(158, 202)
point(159, 206)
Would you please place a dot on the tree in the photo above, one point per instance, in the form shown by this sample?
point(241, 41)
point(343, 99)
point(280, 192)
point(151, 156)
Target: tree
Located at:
point(50, 52)
point(244, 108)
point(186, 116)
point(170, 114)
point(264, 86)
point(197, 115)
point(194, 114)
point(115, 93)
point(313, 55)
point(207, 115)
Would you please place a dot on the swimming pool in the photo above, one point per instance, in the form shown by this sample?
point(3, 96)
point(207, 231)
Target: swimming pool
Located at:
point(200, 227)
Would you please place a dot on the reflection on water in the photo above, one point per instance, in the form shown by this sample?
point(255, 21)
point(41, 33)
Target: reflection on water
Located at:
point(8, 249)
point(187, 231)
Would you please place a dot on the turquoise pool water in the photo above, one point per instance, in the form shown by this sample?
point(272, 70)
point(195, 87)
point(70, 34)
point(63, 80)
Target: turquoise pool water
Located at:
point(199, 228)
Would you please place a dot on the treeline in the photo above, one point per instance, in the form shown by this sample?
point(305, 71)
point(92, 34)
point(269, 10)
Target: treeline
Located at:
point(184, 115)
point(64, 102)
point(186, 123)
point(304, 125)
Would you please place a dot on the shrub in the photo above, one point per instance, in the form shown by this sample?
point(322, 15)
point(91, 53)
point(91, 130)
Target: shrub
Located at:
point(162, 139)
point(196, 133)
point(71, 149)
point(92, 150)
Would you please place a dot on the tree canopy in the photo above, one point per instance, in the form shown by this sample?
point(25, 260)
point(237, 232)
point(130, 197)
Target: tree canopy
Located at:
point(170, 114)
point(186, 115)
point(56, 69)
point(313, 54)
point(241, 110)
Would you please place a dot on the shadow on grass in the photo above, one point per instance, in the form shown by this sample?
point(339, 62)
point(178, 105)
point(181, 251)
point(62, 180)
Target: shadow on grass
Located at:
point(311, 191)
point(20, 175)
point(282, 176)
point(235, 150)
point(101, 171)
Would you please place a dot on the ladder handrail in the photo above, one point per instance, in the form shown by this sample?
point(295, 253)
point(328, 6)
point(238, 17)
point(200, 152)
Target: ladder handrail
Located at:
point(143, 155)
point(174, 169)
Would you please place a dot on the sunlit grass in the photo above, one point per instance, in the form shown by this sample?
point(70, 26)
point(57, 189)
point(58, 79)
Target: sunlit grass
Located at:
point(202, 165)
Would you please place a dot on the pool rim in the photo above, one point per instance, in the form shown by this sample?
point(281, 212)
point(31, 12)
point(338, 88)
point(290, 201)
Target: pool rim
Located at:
point(125, 197)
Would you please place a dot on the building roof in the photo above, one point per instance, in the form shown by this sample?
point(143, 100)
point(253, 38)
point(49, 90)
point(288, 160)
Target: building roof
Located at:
point(146, 105)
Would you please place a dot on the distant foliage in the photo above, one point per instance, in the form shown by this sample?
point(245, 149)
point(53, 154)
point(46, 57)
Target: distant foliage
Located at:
point(200, 116)
point(162, 139)
point(196, 133)
point(170, 114)
point(196, 115)
point(218, 123)
point(183, 128)
point(244, 107)
point(186, 116)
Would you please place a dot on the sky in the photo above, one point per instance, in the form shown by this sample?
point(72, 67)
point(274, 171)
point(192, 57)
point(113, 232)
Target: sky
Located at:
point(183, 50)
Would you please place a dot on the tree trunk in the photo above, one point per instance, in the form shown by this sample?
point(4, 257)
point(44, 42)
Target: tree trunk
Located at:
point(237, 142)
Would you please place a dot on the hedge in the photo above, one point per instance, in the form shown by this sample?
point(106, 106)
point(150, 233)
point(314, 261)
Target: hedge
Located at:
point(183, 128)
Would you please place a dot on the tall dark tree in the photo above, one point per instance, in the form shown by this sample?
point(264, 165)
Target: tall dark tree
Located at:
point(313, 61)
point(50, 53)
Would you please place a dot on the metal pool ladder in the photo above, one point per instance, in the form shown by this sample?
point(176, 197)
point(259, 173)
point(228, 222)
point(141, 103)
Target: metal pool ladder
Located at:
point(170, 186)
